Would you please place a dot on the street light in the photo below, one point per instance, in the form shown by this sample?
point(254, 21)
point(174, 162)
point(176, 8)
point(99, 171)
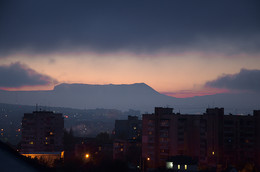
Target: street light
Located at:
point(87, 156)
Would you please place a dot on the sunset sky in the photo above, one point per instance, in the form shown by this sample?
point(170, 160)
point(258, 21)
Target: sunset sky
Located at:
point(181, 48)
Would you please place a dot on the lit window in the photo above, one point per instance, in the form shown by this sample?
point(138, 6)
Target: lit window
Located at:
point(62, 154)
point(169, 165)
point(134, 128)
point(121, 149)
point(46, 138)
point(2, 129)
point(179, 167)
point(46, 143)
point(134, 138)
point(51, 133)
point(31, 143)
point(87, 156)
point(185, 167)
point(148, 159)
point(213, 153)
point(162, 150)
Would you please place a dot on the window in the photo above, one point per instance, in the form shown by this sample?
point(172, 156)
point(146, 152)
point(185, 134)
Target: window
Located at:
point(169, 165)
point(164, 123)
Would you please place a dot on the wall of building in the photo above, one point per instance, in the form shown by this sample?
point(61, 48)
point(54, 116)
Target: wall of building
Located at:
point(42, 131)
point(214, 139)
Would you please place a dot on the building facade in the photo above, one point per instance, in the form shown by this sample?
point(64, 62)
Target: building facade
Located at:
point(127, 144)
point(213, 139)
point(130, 129)
point(42, 131)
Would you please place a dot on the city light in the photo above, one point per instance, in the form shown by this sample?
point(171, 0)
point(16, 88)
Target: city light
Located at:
point(169, 165)
point(62, 154)
point(87, 156)
point(148, 159)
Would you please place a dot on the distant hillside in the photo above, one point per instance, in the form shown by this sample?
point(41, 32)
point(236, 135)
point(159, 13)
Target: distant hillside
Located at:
point(84, 96)
point(123, 97)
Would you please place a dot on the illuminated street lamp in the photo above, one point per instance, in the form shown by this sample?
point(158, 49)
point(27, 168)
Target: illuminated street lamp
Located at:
point(87, 156)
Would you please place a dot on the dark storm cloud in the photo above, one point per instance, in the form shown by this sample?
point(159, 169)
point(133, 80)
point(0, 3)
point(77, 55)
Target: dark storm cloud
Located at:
point(139, 26)
point(18, 75)
point(244, 80)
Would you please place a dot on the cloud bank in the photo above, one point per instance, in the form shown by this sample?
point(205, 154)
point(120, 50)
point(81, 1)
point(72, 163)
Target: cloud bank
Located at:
point(137, 26)
point(245, 80)
point(18, 75)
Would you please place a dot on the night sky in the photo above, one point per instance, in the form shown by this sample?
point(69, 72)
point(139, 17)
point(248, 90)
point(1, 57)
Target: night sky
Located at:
point(180, 48)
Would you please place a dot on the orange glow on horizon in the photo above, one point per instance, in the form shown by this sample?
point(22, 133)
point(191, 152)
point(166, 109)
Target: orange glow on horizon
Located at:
point(193, 93)
point(176, 94)
point(29, 88)
point(178, 75)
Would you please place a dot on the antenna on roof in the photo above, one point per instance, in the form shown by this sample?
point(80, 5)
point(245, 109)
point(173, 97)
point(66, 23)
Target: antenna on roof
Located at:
point(36, 107)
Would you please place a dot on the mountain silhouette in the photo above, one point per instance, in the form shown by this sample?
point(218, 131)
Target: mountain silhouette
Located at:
point(137, 96)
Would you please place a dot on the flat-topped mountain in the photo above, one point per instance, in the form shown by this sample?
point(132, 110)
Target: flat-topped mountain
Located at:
point(131, 96)
point(137, 96)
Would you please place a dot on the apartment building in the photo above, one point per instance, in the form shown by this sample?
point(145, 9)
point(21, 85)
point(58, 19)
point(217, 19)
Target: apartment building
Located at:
point(212, 138)
point(127, 144)
point(130, 129)
point(42, 131)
